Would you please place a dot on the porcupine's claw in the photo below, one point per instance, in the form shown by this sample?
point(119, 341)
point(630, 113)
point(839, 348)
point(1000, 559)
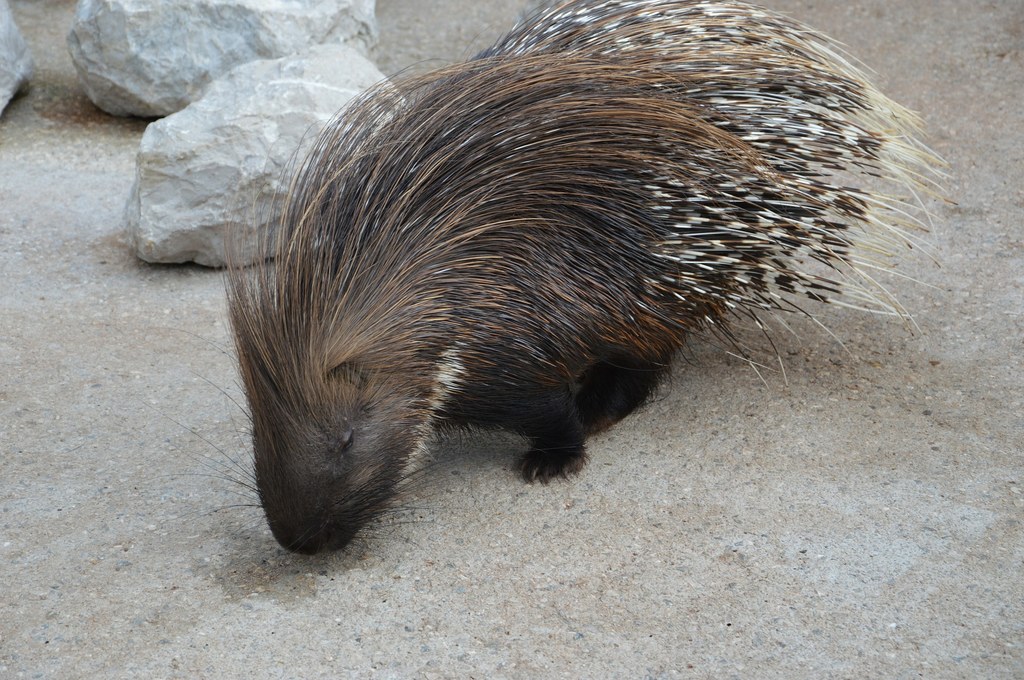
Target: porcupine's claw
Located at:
point(543, 465)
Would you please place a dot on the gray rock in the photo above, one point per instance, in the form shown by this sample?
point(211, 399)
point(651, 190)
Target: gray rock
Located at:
point(221, 161)
point(154, 57)
point(15, 60)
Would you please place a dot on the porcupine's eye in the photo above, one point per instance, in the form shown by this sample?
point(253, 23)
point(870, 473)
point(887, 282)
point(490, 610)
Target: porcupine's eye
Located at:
point(345, 440)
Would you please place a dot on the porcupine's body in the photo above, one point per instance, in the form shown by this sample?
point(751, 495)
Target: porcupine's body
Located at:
point(524, 240)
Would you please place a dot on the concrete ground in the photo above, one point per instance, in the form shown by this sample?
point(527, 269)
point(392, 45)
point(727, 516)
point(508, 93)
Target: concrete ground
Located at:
point(859, 516)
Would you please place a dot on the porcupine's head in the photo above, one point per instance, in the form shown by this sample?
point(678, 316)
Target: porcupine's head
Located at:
point(330, 446)
point(330, 442)
point(336, 413)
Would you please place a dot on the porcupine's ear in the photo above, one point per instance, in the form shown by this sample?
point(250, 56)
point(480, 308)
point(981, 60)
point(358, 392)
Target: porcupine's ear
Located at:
point(349, 372)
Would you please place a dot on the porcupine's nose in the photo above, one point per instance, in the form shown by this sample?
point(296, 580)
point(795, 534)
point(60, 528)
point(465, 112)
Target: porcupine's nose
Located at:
point(311, 540)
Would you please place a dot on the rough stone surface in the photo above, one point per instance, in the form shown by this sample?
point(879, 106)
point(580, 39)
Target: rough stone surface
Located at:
point(153, 57)
point(862, 517)
point(221, 160)
point(15, 60)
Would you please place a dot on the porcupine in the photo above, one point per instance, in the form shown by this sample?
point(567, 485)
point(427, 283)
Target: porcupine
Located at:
point(524, 240)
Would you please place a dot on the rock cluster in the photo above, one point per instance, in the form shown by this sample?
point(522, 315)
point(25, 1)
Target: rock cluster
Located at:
point(242, 83)
point(15, 60)
point(154, 57)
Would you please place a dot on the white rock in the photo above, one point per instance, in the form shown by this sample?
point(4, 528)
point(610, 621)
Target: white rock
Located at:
point(154, 57)
point(221, 161)
point(15, 61)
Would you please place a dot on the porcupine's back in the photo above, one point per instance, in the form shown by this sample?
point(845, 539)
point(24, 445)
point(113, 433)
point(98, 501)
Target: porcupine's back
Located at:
point(788, 95)
point(683, 158)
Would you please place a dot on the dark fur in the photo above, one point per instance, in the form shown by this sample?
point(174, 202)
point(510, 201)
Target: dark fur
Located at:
point(524, 241)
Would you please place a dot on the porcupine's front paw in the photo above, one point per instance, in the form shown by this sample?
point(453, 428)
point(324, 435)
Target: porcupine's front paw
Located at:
point(543, 465)
point(556, 435)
